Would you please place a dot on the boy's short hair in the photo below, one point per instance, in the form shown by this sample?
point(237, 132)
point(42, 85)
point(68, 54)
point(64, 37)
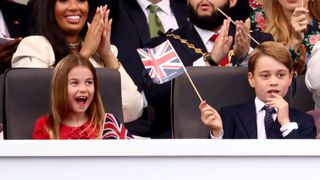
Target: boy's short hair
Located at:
point(273, 49)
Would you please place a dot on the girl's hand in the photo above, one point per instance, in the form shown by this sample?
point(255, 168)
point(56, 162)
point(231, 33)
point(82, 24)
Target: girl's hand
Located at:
point(211, 118)
point(282, 107)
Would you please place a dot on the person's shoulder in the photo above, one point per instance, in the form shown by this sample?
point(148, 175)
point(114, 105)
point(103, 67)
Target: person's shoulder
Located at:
point(316, 48)
point(37, 47)
point(35, 39)
point(40, 128)
point(43, 119)
point(300, 117)
point(41, 122)
point(34, 42)
point(153, 42)
point(300, 114)
point(171, 34)
point(236, 107)
point(262, 35)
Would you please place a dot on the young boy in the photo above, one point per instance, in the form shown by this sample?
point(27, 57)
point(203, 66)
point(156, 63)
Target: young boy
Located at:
point(270, 72)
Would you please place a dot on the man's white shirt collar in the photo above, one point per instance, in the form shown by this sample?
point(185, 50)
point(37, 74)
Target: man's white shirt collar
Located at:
point(205, 35)
point(164, 5)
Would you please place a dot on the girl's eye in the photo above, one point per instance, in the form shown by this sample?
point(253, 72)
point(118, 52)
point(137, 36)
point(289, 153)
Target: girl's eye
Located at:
point(74, 83)
point(89, 82)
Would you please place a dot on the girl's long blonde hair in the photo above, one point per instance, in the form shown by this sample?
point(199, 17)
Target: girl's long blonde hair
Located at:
point(278, 23)
point(280, 26)
point(60, 107)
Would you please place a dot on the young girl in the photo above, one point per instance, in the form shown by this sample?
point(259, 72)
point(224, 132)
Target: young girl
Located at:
point(77, 111)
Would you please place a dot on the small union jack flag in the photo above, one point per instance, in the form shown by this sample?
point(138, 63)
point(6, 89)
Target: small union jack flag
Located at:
point(112, 129)
point(162, 62)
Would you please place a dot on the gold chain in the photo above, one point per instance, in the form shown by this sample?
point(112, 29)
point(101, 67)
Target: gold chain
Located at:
point(197, 50)
point(191, 46)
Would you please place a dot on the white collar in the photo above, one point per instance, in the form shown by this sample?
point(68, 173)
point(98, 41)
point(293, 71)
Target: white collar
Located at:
point(260, 104)
point(163, 4)
point(205, 35)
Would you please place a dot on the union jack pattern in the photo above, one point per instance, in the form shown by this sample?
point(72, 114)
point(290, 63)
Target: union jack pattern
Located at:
point(162, 62)
point(112, 129)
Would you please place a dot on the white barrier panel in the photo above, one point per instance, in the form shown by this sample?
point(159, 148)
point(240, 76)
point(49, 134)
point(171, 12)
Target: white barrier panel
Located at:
point(160, 159)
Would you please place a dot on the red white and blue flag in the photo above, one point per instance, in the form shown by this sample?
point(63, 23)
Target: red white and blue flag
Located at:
point(112, 129)
point(162, 62)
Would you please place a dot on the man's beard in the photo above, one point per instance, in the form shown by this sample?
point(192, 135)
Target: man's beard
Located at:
point(211, 22)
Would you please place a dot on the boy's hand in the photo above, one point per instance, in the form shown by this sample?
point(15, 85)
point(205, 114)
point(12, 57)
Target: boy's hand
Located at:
point(211, 118)
point(282, 108)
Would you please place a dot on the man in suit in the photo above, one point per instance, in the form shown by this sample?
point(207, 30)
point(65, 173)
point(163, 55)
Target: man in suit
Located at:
point(14, 24)
point(270, 72)
point(194, 46)
point(130, 28)
point(130, 31)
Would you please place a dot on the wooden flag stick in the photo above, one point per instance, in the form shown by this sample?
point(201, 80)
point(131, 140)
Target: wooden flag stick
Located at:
point(302, 3)
point(235, 24)
point(194, 87)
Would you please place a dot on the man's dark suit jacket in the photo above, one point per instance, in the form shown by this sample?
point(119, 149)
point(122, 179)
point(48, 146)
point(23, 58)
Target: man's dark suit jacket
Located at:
point(130, 31)
point(240, 122)
point(16, 18)
point(159, 95)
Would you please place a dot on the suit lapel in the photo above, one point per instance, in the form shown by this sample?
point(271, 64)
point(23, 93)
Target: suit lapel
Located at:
point(188, 54)
point(180, 12)
point(248, 120)
point(194, 38)
point(138, 18)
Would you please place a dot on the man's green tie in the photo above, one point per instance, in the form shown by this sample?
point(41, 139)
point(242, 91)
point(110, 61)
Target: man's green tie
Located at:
point(155, 24)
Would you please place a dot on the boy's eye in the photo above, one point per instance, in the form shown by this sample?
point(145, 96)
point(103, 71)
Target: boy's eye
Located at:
point(281, 75)
point(264, 76)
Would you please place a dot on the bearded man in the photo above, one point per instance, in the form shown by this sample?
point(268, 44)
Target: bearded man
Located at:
point(208, 39)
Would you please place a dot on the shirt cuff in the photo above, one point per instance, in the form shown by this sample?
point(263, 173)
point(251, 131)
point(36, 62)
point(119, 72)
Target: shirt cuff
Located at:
point(199, 62)
point(287, 128)
point(214, 137)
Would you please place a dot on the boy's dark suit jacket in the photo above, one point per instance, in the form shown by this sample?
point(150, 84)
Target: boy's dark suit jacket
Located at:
point(159, 95)
point(240, 122)
point(16, 18)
